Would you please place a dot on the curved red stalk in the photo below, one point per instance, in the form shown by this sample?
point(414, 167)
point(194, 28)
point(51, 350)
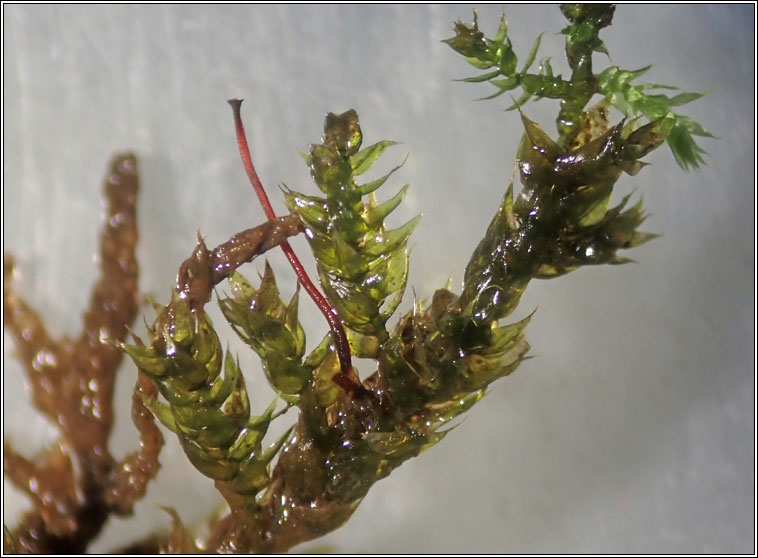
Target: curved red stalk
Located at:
point(345, 378)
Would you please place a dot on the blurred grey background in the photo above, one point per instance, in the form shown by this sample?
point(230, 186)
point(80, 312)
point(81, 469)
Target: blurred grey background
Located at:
point(633, 428)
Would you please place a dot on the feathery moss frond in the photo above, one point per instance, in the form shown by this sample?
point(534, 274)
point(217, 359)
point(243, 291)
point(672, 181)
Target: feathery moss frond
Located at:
point(613, 83)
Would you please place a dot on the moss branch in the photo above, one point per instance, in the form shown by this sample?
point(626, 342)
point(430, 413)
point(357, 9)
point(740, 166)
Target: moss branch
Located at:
point(72, 383)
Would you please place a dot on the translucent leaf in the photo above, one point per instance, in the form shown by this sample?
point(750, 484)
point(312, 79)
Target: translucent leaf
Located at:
point(386, 241)
point(493, 95)
point(546, 69)
point(146, 359)
point(537, 148)
point(293, 325)
point(548, 271)
point(252, 477)
point(657, 86)
point(400, 443)
point(286, 376)
point(525, 96)
point(262, 333)
point(185, 371)
point(446, 412)
point(350, 263)
point(388, 274)
point(619, 231)
point(210, 466)
point(503, 337)
point(237, 316)
point(506, 211)
point(641, 237)
point(237, 404)
point(323, 250)
point(596, 212)
point(160, 411)
point(319, 354)
point(262, 320)
point(694, 128)
point(325, 390)
point(502, 30)
point(270, 452)
point(221, 389)
point(479, 64)
point(179, 321)
point(614, 80)
point(687, 153)
point(242, 290)
point(363, 346)
point(684, 98)
point(482, 77)
point(616, 210)
point(532, 54)
point(253, 473)
point(634, 74)
point(506, 84)
point(481, 370)
point(311, 210)
point(544, 86)
point(508, 59)
point(369, 187)
point(648, 137)
point(391, 277)
point(362, 161)
point(206, 348)
point(268, 299)
point(176, 392)
point(355, 308)
point(207, 427)
point(250, 437)
point(375, 215)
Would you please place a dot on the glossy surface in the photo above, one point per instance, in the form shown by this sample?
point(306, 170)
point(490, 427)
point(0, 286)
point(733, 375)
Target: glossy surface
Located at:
point(612, 431)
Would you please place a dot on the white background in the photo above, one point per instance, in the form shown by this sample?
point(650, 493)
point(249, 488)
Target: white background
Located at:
point(633, 428)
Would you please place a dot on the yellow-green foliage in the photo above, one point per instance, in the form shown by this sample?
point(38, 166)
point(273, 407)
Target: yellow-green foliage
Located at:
point(440, 357)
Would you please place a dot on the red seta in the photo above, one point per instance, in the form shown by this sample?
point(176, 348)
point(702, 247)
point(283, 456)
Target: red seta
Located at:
point(347, 379)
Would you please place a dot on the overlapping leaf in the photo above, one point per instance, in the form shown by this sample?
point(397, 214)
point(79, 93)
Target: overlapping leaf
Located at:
point(362, 265)
point(562, 218)
point(207, 408)
point(271, 329)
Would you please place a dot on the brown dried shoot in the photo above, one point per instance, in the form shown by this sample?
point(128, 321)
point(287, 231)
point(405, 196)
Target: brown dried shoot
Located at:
point(77, 484)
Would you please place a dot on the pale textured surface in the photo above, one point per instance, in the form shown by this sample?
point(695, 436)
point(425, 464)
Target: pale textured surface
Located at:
point(632, 430)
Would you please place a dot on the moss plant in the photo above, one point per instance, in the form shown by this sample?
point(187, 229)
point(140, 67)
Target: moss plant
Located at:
point(431, 365)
